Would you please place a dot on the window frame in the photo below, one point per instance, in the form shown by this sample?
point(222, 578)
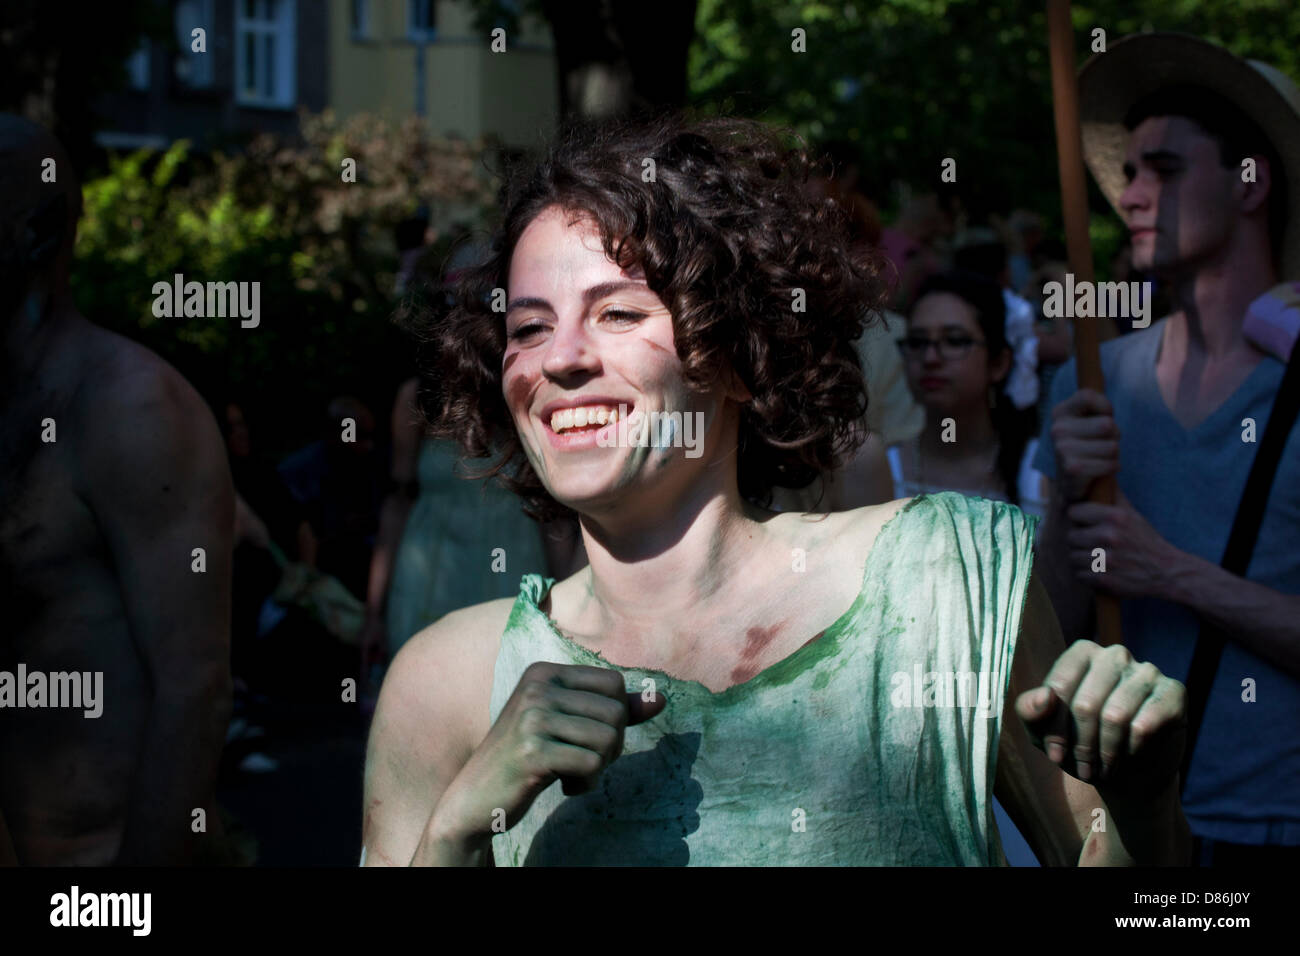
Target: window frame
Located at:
point(201, 72)
point(419, 34)
point(359, 32)
point(283, 28)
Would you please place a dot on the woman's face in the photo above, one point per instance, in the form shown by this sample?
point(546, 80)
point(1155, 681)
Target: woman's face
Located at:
point(956, 373)
point(587, 339)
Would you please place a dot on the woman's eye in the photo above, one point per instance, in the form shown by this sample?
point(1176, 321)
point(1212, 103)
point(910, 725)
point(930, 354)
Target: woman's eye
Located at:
point(621, 316)
point(524, 331)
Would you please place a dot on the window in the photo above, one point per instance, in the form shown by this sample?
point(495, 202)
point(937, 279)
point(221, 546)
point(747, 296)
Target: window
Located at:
point(421, 21)
point(265, 53)
point(194, 69)
point(137, 67)
point(360, 19)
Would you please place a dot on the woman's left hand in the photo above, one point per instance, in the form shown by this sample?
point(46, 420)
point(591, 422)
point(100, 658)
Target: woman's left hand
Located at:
point(1109, 721)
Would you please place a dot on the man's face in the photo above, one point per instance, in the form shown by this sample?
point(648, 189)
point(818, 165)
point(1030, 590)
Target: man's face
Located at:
point(583, 333)
point(1180, 204)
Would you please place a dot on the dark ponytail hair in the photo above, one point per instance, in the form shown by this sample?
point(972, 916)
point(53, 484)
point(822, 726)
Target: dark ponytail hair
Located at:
point(1015, 427)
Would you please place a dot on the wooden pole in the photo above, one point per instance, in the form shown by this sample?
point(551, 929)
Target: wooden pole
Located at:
point(1078, 246)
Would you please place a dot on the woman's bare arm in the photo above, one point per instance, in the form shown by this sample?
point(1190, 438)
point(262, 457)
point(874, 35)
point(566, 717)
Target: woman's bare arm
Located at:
point(1066, 820)
point(432, 713)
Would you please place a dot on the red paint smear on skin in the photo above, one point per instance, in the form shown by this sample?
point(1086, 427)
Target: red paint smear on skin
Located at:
point(756, 641)
point(757, 638)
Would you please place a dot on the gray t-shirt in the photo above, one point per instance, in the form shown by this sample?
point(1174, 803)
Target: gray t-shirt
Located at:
point(1244, 785)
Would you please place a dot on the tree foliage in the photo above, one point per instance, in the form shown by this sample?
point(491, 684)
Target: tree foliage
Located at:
point(913, 81)
point(278, 213)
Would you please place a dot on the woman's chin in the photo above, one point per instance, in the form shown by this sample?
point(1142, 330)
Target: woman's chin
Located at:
point(589, 497)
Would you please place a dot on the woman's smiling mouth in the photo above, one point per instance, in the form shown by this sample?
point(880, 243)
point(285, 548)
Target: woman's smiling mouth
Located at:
point(565, 420)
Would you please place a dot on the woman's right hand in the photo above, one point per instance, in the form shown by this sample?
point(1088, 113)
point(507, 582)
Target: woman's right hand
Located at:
point(562, 721)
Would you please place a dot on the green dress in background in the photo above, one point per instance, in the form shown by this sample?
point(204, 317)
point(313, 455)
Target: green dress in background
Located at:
point(830, 756)
point(445, 559)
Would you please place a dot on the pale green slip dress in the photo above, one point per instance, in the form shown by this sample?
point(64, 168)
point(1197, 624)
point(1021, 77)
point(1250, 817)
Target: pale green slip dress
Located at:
point(875, 744)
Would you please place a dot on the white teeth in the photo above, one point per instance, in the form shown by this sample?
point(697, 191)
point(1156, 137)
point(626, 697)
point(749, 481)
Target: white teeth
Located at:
point(566, 418)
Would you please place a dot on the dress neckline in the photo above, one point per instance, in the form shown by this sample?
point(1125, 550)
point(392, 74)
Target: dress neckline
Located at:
point(777, 673)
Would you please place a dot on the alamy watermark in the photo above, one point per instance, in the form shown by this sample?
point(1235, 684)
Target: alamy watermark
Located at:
point(947, 689)
point(75, 908)
point(77, 690)
point(213, 300)
point(1098, 300)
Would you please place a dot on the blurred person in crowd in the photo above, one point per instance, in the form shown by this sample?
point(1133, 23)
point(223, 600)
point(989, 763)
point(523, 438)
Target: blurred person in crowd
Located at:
point(1055, 335)
point(980, 251)
point(116, 513)
point(266, 514)
point(1022, 232)
point(976, 441)
point(1170, 123)
point(912, 244)
point(439, 532)
point(958, 362)
point(716, 664)
point(339, 480)
point(271, 528)
point(445, 539)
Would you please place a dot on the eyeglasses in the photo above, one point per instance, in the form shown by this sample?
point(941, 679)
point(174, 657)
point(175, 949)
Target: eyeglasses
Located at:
point(950, 347)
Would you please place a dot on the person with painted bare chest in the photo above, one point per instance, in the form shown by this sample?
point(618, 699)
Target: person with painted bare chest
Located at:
point(723, 684)
point(111, 474)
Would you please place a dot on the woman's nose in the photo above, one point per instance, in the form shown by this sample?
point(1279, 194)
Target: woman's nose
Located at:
point(570, 350)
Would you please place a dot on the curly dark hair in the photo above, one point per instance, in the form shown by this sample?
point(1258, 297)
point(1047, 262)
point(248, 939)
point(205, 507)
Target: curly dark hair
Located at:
point(725, 230)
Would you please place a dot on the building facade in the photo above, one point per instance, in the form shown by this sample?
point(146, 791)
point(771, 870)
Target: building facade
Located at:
point(256, 63)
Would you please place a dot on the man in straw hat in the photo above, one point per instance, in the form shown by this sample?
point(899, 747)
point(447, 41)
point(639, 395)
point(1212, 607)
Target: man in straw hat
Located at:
point(1195, 149)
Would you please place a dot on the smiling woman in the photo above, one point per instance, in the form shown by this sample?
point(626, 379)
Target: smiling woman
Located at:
point(715, 686)
point(716, 242)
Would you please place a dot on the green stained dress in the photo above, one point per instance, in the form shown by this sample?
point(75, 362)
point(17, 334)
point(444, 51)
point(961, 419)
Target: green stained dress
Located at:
point(874, 745)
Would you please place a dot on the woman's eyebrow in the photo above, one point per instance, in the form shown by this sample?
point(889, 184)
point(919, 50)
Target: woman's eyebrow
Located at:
point(598, 291)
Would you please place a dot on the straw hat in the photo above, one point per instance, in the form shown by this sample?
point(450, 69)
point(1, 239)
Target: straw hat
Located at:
point(1131, 68)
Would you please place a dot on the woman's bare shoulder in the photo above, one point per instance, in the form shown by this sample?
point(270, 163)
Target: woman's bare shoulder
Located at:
point(463, 639)
point(862, 526)
point(444, 672)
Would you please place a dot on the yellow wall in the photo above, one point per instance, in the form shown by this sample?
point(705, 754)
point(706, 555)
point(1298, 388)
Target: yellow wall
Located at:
point(469, 90)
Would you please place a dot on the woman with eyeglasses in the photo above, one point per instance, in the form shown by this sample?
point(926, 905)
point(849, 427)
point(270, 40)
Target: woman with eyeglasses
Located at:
point(975, 441)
